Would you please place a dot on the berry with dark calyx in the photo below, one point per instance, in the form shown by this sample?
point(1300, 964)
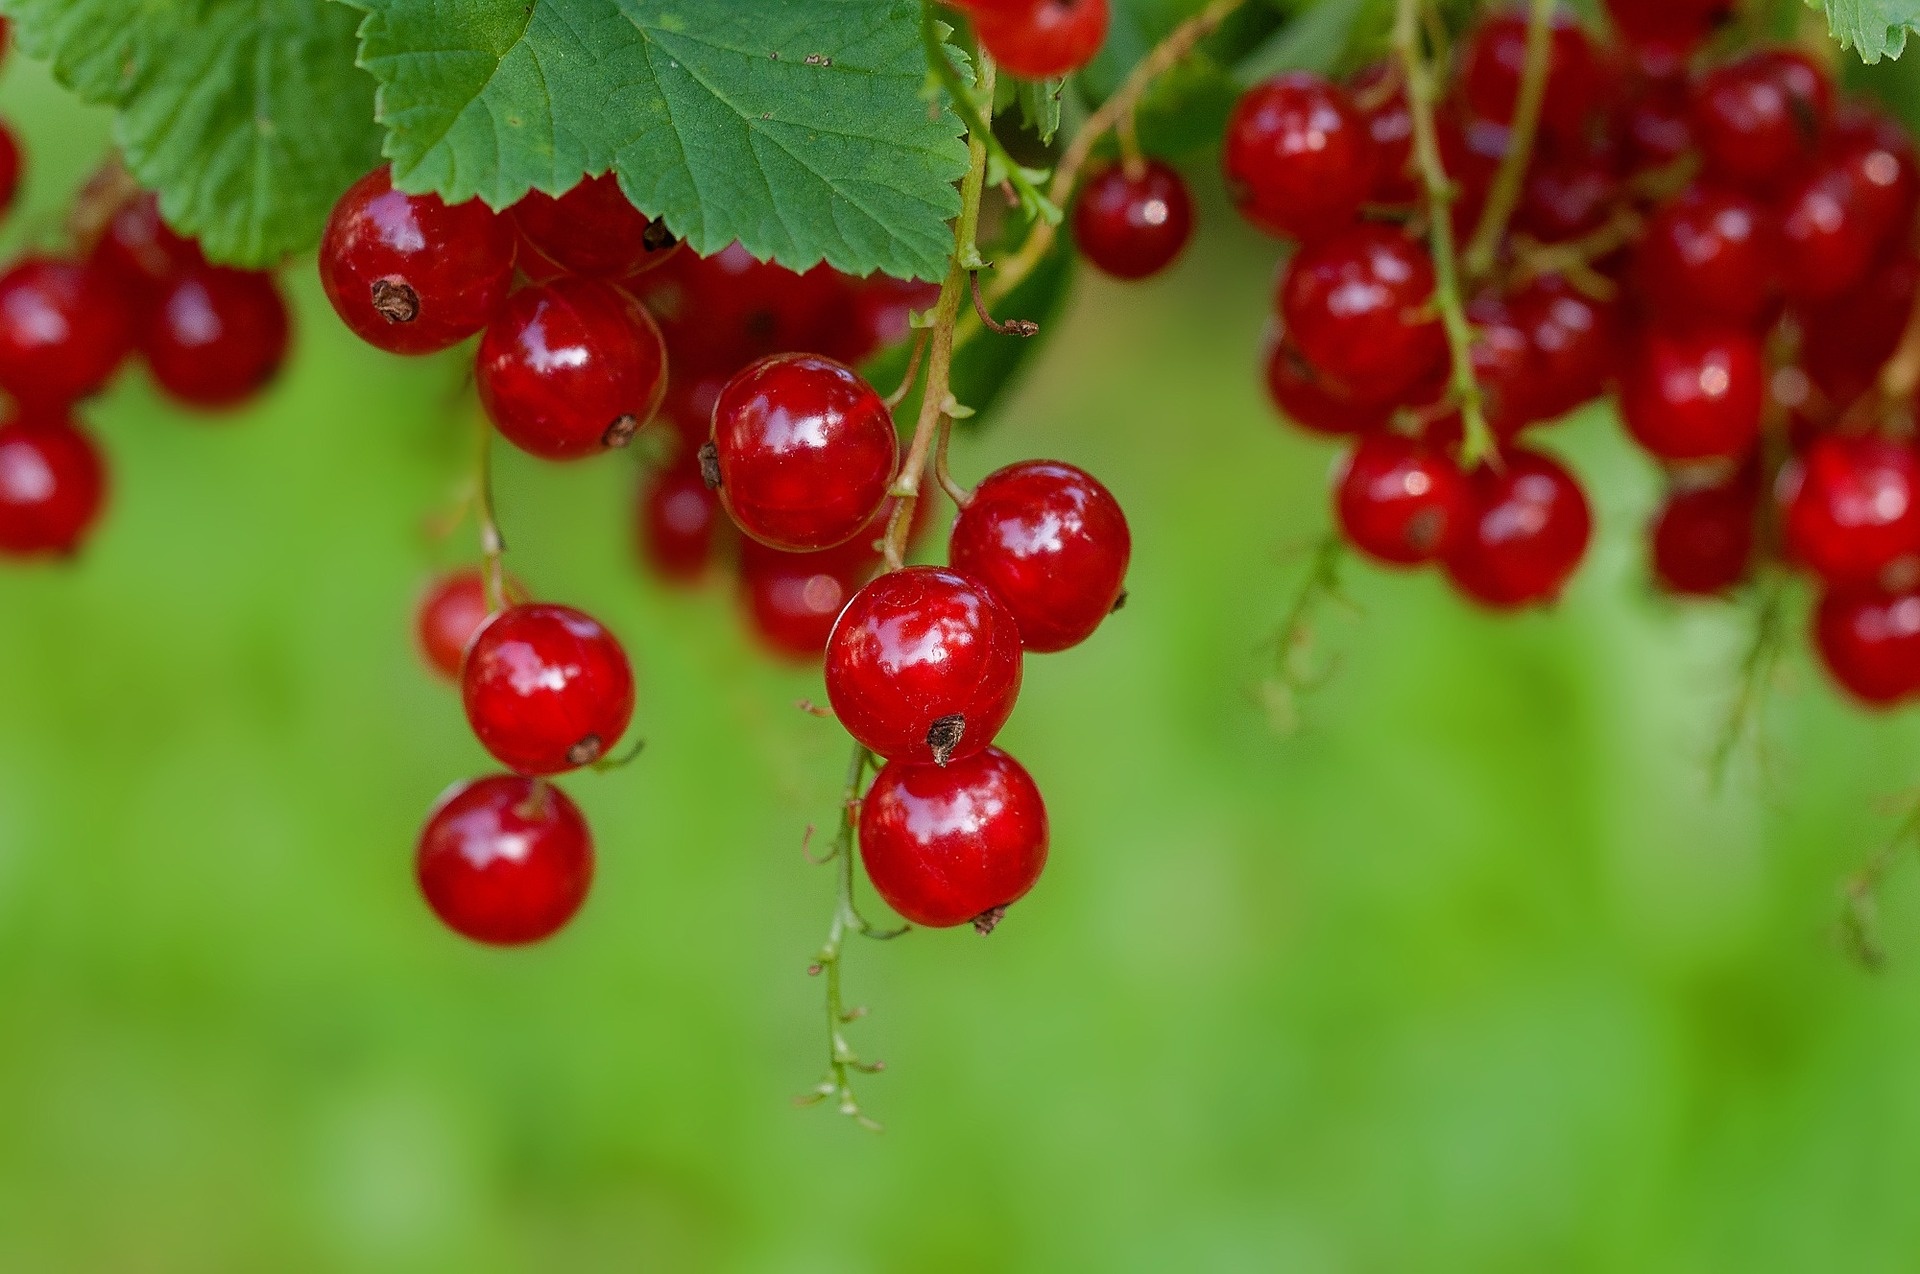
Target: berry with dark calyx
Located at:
point(1708, 256)
point(1869, 641)
point(505, 860)
point(1758, 119)
point(1400, 500)
point(803, 450)
point(1298, 158)
point(1043, 38)
point(924, 665)
point(570, 368)
point(1311, 401)
point(592, 230)
point(136, 246)
point(945, 845)
point(1702, 537)
point(1851, 508)
point(411, 274)
point(1694, 395)
point(1357, 305)
point(679, 523)
point(64, 331)
point(546, 688)
point(453, 609)
point(1051, 543)
point(1496, 57)
point(52, 485)
point(1527, 529)
point(214, 336)
point(1132, 227)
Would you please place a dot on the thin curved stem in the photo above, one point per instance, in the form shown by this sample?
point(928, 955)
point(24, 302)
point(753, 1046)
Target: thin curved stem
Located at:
point(1503, 196)
point(1860, 895)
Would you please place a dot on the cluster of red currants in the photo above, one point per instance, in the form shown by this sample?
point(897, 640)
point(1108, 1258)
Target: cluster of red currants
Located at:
point(1722, 245)
point(1039, 39)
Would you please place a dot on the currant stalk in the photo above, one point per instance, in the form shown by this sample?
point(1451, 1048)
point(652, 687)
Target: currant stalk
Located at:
point(1860, 911)
point(1503, 196)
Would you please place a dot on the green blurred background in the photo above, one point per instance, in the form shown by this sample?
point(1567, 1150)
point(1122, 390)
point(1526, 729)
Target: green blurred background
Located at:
point(1473, 973)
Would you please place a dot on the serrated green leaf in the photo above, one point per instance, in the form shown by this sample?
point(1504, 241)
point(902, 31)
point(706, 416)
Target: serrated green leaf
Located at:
point(1872, 28)
point(247, 116)
point(1320, 37)
point(797, 127)
point(1040, 106)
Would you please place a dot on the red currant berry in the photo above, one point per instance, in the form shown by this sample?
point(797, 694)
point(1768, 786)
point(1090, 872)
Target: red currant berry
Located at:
point(1655, 126)
point(1694, 395)
point(52, 486)
point(1870, 642)
point(1527, 531)
point(1133, 227)
point(1676, 26)
point(679, 523)
point(1400, 500)
point(409, 273)
point(1356, 306)
point(1703, 538)
point(505, 860)
point(792, 599)
point(1504, 366)
point(451, 612)
point(1573, 341)
point(546, 688)
point(1298, 158)
point(1043, 38)
point(1760, 118)
point(1852, 507)
point(593, 230)
point(1312, 401)
point(64, 330)
point(1886, 172)
point(214, 336)
point(1380, 100)
point(1051, 543)
point(137, 248)
point(1565, 198)
point(1708, 257)
point(1497, 56)
point(944, 845)
point(924, 665)
point(9, 167)
point(720, 313)
point(882, 313)
point(802, 450)
point(1829, 234)
point(1845, 341)
point(571, 368)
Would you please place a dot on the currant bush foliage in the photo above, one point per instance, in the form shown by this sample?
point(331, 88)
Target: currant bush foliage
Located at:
point(1873, 28)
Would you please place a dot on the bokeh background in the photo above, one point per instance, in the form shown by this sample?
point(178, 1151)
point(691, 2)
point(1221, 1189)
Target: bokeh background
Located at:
point(1476, 971)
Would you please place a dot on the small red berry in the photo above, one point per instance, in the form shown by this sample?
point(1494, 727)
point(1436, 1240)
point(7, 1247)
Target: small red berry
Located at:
point(1298, 157)
point(882, 313)
point(64, 331)
point(505, 860)
point(1312, 401)
point(1829, 231)
point(1845, 341)
point(803, 450)
point(924, 665)
point(452, 611)
point(593, 230)
point(1133, 227)
point(1400, 500)
point(1567, 197)
point(10, 161)
point(1708, 256)
point(409, 273)
point(52, 486)
point(570, 368)
point(1694, 395)
point(1379, 98)
point(1676, 25)
point(1496, 58)
point(1527, 532)
point(1357, 306)
point(1852, 507)
point(1573, 340)
point(137, 247)
point(1869, 641)
point(1703, 538)
point(1761, 117)
point(792, 599)
point(1051, 543)
point(944, 845)
point(679, 523)
point(546, 688)
point(214, 336)
point(1042, 38)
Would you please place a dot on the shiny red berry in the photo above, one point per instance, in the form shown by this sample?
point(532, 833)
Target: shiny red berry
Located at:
point(679, 523)
point(64, 331)
point(1869, 641)
point(1834, 221)
point(802, 450)
point(944, 845)
point(409, 273)
point(1496, 57)
point(1133, 227)
point(792, 599)
point(1312, 401)
point(1759, 118)
point(1694, 395)
point(1708, 257)
point(1400, 500)
point(1051, 543)
point(924, 665)
point(1566, 197)
point(1852, 507)
point(881, 315)
point(1357, 306)
point(10, 162)
point(1655, 126)
point(136, 246)
point(1845, 341)
point(1703, 538)
point(593, 230)
point(1504, 366)
point(453, 609)
point(505, 860)
point(1527, 531)
point(721, 312)
point(1573, 340)
point(1044, 38)
point(52, 486)
point(1674, 25)
point(546, 688)
point(214, 337)
point(1380, 100)
point(1298, 158)
point(570, 368)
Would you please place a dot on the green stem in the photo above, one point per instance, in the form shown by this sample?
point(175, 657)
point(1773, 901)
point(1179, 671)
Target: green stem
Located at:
point(492, 546)
point(1503, 196)
point(978, 118)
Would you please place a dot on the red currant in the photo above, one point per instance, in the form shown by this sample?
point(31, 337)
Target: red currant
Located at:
point(1133, 227)
point(1504, 366)
point(1566, 197)
point(1677, 25)
point(882, 313)
point(1655, 126)
point(1830, 229)
point(1760, 118)
point(1852, 507)
point(1870, 641)
point(505, 860)
point(1703, 538)
point(1694, 395)
point(1380, 100)
point(1527, 531)
point(593, 230)
point(802, 450)
point(924, 665)
point(1043, 38)
point(409, 273)
point(64, 330)
point(1708, 256)
point(1400, 500)
point(679, 523)
point(52, 486)
point(571, 368)
point(1356, 306)
point(215, 336)
point(1573, 340)
point(792, 599)
point(1844, 341)
point(9, 167)
point(722, 312)
point(546, 688)
point(451, 612)
point(137, 248)
point(944, 845)
point(1312, 401)
point(1497, 56)
point(1298, 158)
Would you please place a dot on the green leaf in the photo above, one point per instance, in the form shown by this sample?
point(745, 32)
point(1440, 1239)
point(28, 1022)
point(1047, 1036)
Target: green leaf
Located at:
point(1872, 28)
point(247, 116)
point(797, 127)
point(1321, 37)
point(1039, 106)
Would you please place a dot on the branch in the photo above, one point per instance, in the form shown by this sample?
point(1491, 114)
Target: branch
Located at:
point(1503, 196)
